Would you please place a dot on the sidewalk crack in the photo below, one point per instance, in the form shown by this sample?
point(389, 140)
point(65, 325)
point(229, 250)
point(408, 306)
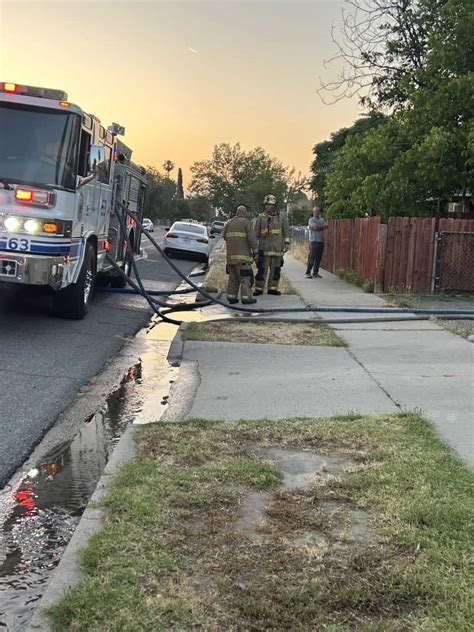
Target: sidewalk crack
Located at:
point(364, 368)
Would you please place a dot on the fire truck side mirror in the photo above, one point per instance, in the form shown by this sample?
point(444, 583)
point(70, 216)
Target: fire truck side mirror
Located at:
point(96, 159)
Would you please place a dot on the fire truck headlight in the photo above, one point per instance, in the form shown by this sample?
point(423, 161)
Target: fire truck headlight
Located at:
point(32, 226)
point(12, 224)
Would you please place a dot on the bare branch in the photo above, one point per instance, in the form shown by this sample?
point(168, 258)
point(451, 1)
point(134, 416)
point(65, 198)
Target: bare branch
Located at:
point(378, 43)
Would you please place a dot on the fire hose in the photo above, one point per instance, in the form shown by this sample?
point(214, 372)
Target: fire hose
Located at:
point(158, 305)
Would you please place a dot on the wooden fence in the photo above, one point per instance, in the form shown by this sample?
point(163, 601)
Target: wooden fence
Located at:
point(352, 244)
point(398, 256)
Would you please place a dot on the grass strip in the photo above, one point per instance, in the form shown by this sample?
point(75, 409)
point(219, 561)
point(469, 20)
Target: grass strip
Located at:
point(312, 334)
point(169, 556)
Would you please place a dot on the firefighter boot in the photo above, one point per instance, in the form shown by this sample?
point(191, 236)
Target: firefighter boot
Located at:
point(233, 284)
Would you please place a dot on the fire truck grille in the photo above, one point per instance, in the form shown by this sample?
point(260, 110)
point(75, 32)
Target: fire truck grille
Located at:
point(8, 267)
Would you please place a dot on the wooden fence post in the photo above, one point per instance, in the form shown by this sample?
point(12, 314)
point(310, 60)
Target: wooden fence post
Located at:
point(380, 265)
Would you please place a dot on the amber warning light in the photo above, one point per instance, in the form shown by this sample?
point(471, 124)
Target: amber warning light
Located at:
point(23, 195)
point(10, 87)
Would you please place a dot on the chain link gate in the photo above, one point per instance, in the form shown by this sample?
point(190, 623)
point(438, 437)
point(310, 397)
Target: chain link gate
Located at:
point(454, 262)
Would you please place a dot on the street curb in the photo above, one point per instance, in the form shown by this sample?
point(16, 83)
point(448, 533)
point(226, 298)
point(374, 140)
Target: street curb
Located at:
point(68, 572)
point(175, 352)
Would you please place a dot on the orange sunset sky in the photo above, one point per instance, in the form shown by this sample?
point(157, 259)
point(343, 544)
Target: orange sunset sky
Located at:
point(182, 76)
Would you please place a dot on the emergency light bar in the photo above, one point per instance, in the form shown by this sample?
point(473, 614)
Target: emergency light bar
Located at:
point(32, 91)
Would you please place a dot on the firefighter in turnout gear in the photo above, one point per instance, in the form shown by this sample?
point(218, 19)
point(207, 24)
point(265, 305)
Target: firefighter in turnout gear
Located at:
point(241, 248)
point(273, 234)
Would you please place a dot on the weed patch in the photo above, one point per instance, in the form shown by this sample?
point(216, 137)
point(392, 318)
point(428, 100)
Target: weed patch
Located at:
point(352, 277)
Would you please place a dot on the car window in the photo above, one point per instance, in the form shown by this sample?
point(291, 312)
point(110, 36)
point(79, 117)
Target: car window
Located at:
point(189, 228)
point(218, 223)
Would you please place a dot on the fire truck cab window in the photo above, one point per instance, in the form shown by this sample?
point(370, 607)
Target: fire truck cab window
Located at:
point(84, 150)
point(134, 194)
point(105, 172)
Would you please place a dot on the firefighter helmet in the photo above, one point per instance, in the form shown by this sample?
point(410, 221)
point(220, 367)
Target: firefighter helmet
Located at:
point(270, 199)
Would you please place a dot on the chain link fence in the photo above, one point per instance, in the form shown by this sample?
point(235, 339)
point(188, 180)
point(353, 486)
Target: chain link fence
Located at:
point(299, 242)
point(454, 262)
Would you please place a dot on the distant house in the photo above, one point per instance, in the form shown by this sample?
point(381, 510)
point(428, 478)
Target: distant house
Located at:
point(458, 206)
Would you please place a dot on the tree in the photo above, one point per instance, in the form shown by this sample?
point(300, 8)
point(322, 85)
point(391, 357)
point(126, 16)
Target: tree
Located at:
point(382, 46)
point(234, 176)
point(326, 152)
point(179, 186)
point(168, 166)
point(161, 195)
point(197, 207)
point(418, 61)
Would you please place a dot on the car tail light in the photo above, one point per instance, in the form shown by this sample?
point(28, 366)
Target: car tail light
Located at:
point(172, 236)
point(202, 240)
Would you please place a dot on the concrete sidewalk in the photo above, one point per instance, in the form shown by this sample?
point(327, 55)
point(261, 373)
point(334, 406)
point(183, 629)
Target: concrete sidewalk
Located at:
point(419, 365)
point(387, 367)
point(254, 381)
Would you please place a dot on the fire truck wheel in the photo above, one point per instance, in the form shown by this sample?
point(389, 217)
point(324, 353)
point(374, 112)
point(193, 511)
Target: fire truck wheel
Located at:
point(73, 301)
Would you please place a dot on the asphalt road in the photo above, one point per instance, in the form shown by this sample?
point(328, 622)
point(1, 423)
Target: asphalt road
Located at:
point(44, 360)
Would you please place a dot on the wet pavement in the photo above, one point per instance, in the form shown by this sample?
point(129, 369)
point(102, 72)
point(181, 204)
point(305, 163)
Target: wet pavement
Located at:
point(38, 516)
point(44, 509)
point(40, 509)
point(45, 361)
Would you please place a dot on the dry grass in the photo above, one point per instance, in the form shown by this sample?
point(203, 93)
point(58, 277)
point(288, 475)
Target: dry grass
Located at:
point(285, 285)
point(172, 556)
point(216, 279)
point(355, 279)
point(299, 251)
point(402, 299)
point(463, 328)
point(310, 334)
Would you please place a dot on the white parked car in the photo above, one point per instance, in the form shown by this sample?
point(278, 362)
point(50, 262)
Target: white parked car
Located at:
point(148, 225)
point(188, 237)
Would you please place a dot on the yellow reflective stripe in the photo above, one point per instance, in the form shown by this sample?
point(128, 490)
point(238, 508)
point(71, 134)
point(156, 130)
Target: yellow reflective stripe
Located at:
point(236, 234)
point(239, 257)
point(287, 241)
point(275, 231)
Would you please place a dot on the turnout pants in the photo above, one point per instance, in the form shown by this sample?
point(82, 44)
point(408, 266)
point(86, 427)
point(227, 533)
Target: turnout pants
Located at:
point(268, 266)
point(240, 278)
point(316, 249)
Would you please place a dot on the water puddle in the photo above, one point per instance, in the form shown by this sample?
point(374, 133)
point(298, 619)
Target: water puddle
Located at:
point(49, 501)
